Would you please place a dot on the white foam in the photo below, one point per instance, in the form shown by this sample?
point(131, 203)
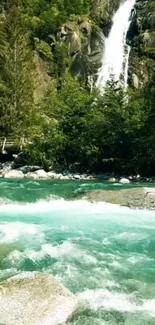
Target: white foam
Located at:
point(105, 299)
point(112, 300)
point(66, 250)
point(76, 206)
point(13, 231)
point(8, 273)
point(149, 306)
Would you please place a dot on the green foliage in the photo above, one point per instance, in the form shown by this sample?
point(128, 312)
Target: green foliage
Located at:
point(94, 131)
point(16, 76)
point(113, 131)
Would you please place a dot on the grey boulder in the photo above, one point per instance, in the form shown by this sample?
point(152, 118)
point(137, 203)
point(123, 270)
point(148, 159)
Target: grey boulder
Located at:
point(35, 298)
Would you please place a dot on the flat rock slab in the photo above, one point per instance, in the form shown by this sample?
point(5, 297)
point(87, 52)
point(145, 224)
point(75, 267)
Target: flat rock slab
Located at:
point(133, 198)
point(34, 298)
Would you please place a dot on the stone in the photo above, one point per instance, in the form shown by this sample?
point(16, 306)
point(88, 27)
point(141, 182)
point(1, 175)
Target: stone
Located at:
point(14, 173)
point(76, 176)
point(142, 198)
point(32, 175)
point(135, 81)
point(64, 177)
point(112, 180)
point(41, 173)
point(51, 175)
point(34, 298)
point(20, 159)
point(28, 169)
point(124, 181)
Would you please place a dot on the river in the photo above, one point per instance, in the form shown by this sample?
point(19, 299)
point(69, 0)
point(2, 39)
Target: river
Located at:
point(105, 254)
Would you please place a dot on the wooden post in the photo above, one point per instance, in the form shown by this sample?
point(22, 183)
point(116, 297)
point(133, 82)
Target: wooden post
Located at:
point(3, 147)
point(21, 143)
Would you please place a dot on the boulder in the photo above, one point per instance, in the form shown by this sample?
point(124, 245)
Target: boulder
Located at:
point(124, 181)
point(29, 169)
point(41, 173)
point(32, 175)
point(143, 198)
point(76, 176)
point(54, 175)
point(135, 81)
point(64, 177)
point(112, 180)
point(35, 298)
point(20, 159)
point(14, 173)
point(51, 175)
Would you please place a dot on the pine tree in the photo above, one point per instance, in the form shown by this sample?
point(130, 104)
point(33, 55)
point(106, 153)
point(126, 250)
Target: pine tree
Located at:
point(17, 74)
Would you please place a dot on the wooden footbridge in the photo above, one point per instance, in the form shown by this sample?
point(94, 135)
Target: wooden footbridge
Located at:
point(7, 143)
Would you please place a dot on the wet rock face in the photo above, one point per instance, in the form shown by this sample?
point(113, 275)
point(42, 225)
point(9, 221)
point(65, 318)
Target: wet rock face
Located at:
point(35, 299)
point(85, 45)
point(141, 37)
point(86, 37)
point(102, 12)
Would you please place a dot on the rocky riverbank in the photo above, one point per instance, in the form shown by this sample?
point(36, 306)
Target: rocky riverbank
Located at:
point(8, 170)
point(12, 170)
point(19, 169)
point(142, 198)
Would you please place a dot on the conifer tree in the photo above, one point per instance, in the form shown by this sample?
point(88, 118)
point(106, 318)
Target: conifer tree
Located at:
point(17, 74)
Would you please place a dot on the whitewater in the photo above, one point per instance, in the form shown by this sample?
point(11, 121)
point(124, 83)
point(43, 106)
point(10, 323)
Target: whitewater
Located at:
point(115, 59)
point(103, 253)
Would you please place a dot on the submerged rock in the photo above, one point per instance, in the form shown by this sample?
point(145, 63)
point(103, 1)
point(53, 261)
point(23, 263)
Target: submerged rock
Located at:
point(34, 298)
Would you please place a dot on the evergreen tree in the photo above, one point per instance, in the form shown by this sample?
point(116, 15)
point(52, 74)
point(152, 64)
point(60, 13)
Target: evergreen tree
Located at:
point(17, 75)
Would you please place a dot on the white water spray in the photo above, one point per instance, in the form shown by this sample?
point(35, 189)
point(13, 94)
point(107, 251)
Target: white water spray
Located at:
point(116, 54)
point(126, 66)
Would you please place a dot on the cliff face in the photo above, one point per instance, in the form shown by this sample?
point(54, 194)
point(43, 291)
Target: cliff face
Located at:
point(141, 37)
point(85, 37)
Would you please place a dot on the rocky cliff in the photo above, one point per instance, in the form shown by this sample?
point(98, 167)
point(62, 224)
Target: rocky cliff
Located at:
point(85, 37)
point(141, 37)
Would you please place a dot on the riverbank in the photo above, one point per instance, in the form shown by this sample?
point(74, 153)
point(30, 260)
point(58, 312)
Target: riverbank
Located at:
point(11, 170)
point(142, 198)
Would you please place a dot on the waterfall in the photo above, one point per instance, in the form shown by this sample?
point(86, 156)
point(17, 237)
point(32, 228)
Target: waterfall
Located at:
point(126, 66)
point(116, 54)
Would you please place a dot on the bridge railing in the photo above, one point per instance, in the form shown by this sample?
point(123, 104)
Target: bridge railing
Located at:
point(6, 142)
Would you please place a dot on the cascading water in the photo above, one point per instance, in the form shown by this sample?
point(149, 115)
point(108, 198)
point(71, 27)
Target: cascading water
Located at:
point(116, 54)
point(126, 66)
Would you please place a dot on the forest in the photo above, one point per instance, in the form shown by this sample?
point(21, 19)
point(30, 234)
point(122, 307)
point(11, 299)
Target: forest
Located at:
point(71, 125)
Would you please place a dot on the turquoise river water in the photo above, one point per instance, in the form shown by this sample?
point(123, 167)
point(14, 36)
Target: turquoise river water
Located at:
point(103, 253)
